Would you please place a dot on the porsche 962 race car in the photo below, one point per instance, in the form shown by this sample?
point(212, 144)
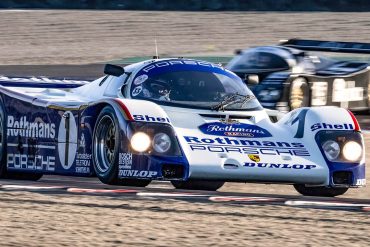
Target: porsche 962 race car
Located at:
point(285, 77)
point(191, 122)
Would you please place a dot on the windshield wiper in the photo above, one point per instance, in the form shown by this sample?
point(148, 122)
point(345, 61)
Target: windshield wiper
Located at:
point(233, 99)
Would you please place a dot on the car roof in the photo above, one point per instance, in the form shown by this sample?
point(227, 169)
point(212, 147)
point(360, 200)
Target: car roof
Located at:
point(282, 51)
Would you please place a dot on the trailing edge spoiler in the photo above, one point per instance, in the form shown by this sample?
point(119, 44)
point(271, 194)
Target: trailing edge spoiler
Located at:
point(330, 46)
point(40, 82)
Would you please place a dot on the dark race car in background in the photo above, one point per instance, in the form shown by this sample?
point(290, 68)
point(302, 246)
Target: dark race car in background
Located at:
point(286, 77)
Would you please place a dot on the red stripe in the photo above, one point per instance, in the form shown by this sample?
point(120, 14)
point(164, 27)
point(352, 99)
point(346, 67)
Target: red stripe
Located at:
point(355, 122)
point(125, 109)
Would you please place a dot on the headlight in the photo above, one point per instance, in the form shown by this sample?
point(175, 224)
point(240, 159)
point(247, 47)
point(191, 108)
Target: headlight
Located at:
point(161, 143)
point(140, 142)
point(153, 139)
point(341, 146)
point(352, 151)
point(331, 149)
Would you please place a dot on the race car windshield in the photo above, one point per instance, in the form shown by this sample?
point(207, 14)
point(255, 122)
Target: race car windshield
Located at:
point(191, 88)
point(256, 61)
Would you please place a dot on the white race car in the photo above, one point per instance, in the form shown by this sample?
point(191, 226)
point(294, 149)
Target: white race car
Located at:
point(191, 122)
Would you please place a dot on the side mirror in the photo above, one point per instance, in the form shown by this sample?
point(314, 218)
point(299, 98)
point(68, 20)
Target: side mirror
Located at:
point(252, 79)
point(114, 70)
point(238, 52)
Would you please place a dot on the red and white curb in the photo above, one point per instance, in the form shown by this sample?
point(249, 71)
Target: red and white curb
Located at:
point(30, 187)
point(243, 199)
point(160, 194)
point(81, 190)
point(364, 207)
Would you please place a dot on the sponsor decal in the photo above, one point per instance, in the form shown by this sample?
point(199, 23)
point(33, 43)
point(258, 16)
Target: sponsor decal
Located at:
point(82, 141)
point(230, 141)
point(282, 166)
point(24, 128)
point(83, 163)
point(299, 117)
point(344, 91)
point(125, 160)
point(138, 174)
point(67, 140)
point(177, 62)
point(245, 146)
point(344, 126)
point(236, 130)
point(361, 182)
point(147, 118)
point(136, 91)
point(140, 79)
point(253, 157)
point(30, 162)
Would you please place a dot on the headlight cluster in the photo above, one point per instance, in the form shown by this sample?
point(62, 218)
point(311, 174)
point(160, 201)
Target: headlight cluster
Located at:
point(341, 146)
point(153, 138)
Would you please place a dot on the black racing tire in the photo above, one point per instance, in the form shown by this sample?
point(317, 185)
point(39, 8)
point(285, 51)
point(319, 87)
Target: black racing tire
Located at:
point(106, 143)
point(299, 94)
point(319, 191)
point(133, 182)
point(4, 173)
point(198, 185)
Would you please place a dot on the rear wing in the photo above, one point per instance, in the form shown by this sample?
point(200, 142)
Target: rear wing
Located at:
point(40, 82)
point(329, 46)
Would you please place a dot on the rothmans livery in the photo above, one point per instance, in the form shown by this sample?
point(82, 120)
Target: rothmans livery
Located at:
point(191, 122)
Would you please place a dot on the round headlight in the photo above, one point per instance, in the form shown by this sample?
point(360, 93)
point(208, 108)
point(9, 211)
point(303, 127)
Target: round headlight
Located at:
point(161, 143)
point(140, 142)
point(352, 151)
point(331, 149)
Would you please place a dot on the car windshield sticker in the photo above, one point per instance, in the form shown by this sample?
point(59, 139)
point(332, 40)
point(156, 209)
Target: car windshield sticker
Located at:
point(136, 91)
point(140, 79)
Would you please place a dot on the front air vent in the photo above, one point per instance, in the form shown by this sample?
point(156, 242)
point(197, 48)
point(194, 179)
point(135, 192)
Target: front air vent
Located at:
point(221, 116)
point(173, 171)
point(231, 166)
point(342, 178)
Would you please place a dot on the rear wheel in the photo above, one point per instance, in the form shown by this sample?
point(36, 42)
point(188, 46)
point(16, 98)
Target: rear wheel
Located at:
point(4, 173)
point(319, 191)
point(106, 143)
point(299, 94)
point(198, 185)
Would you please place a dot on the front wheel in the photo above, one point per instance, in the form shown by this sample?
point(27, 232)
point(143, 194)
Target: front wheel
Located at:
point(198, 185)
point(106, 143)
point(319, 191)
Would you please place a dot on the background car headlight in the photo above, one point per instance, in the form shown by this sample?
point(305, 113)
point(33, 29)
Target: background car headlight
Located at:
point(331, 149)
point(161, 143)
point(140, 142)
point(352, 151)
